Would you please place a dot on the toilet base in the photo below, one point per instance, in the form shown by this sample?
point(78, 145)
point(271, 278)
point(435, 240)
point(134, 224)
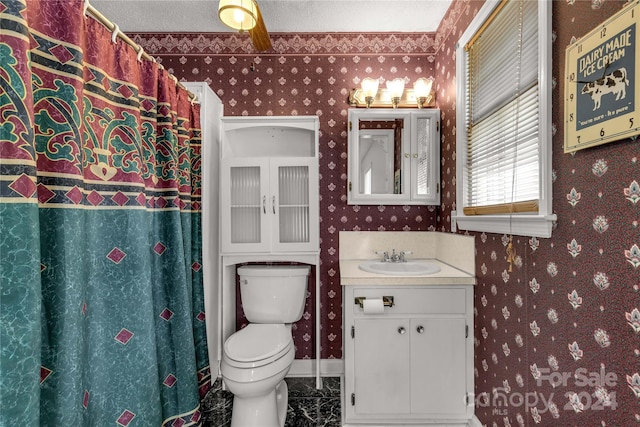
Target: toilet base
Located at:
point(261, 411)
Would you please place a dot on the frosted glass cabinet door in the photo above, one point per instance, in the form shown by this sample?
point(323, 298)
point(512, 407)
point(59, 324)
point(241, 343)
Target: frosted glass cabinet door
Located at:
point(270, 205)
point(295, 224)
point(245, 187)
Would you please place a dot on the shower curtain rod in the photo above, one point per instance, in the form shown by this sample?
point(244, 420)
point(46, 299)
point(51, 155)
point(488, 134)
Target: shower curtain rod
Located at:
point(117, 33)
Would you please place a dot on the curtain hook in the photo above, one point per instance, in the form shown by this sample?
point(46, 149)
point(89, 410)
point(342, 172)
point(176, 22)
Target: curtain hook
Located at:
point(114, 35)
point(140, 53)
point(85, 7)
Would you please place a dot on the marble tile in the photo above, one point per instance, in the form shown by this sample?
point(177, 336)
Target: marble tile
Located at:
point(308, 407)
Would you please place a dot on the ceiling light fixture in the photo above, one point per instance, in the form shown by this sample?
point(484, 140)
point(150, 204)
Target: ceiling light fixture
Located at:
point(241, 15)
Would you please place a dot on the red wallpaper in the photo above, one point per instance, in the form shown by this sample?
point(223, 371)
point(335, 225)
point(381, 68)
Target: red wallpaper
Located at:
point(557, 340)
point(309, 74)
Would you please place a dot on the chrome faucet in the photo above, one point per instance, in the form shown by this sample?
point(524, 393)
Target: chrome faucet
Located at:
point(395, 256)
point(385, 256)
point(402, 255)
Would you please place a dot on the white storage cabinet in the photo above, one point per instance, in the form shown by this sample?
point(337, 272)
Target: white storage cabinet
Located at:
point(269, 184)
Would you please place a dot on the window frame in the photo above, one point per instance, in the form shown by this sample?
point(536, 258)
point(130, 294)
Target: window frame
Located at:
point(538, 224)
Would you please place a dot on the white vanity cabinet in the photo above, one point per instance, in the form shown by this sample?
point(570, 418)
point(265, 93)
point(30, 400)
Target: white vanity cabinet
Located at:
point(269, 184)
point(411, 364)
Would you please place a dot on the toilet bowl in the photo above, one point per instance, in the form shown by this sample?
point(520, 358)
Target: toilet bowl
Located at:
point(256, 359)
point(254, 364)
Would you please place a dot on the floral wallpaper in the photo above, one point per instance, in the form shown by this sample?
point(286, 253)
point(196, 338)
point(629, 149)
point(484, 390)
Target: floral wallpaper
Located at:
point(557, 340)
point(308, 74)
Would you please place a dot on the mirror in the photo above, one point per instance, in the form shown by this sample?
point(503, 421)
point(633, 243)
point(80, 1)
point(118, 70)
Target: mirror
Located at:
point(379, 156)
point(393, 157)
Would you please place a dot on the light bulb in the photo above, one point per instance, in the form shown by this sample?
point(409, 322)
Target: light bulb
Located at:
point(238, 16)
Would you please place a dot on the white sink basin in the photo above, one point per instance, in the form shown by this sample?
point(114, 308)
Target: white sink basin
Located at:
point(409, 268)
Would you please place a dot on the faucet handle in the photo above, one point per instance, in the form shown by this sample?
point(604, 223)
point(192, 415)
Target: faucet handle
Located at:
point(385, 255)
point(403, 253)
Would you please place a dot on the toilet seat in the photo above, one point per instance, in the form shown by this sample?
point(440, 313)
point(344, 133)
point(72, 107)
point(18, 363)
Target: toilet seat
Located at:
point(258, 345)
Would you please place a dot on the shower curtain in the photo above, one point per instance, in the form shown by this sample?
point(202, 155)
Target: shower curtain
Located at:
point(101, 299)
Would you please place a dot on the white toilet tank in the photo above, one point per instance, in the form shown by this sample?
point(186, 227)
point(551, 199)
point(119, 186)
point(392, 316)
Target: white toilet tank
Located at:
point(273, 293)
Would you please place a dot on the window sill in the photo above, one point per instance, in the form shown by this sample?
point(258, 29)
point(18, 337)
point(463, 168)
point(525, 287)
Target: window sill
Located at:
point(519, 225)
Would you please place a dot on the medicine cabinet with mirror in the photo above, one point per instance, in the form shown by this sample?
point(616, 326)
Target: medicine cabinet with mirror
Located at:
point(394, 157)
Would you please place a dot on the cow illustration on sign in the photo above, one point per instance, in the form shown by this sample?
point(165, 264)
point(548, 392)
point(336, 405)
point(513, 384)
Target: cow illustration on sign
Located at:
point(615, 83)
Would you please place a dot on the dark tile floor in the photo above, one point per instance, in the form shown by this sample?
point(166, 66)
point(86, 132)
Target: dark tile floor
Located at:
point(308, 407)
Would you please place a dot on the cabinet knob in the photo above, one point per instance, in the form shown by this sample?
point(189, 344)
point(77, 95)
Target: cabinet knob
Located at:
point(420, 329)
point(402, 330)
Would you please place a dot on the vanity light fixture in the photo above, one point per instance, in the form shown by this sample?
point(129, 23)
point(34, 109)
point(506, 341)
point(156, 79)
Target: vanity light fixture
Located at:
point(369, 89)
point(395, 95)
point(422, 90)
point(241, 15)
point(396, 89)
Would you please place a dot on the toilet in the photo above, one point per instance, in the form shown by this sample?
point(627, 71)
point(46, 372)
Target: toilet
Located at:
point(256, 359)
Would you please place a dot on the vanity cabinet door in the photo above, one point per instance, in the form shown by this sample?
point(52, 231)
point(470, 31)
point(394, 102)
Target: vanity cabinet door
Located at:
point(438, 368)
point(382, 370)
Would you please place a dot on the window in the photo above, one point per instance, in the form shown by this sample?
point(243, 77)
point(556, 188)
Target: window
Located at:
point(504, 120)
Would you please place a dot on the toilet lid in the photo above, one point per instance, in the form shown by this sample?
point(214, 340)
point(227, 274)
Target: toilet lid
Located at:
point(258, 342)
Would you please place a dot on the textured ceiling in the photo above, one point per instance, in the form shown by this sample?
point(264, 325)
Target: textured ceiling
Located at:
point(280, 16)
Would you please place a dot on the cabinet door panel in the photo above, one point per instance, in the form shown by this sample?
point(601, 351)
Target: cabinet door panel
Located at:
point(425, 157)
point(382, 370)
point(293, 205)
point(438, 382)
point(244, 184)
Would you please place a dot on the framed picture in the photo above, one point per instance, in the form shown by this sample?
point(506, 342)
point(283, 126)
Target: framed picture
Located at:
point(601, 91)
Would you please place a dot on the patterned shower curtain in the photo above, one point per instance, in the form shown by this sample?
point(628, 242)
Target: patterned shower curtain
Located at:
point(101, 299)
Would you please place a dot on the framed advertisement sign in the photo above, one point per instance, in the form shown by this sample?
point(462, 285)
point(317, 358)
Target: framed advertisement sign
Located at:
point(602, 97)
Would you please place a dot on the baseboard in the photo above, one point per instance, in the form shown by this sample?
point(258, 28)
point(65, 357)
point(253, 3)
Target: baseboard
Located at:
point(307, 368)
point(475, 422)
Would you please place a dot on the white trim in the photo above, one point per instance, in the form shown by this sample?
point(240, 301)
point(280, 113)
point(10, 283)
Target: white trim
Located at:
point(473, 422)
point(211, 110)
point(540, 225)
point(519, 225)
point(307, 368)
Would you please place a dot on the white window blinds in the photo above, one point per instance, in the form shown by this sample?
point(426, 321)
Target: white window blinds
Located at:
point(502, 119)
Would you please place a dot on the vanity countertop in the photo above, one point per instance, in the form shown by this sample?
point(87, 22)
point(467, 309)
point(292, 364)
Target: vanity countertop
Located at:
point(351, 274)
point(454, 254)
